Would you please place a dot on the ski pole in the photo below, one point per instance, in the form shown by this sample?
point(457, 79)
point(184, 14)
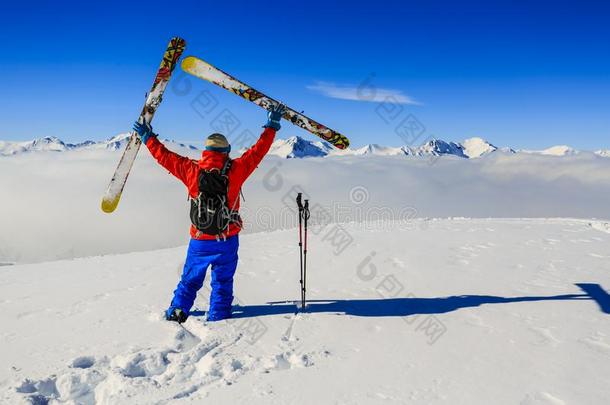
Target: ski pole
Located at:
point(306, 218)
point(300, 205)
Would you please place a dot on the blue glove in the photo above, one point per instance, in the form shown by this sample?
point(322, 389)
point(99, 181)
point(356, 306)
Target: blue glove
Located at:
point(144, 130)
point(274, 116)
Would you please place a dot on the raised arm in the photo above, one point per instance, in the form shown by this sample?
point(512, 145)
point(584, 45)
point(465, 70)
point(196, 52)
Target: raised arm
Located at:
point(253, 156)
point(177, 165)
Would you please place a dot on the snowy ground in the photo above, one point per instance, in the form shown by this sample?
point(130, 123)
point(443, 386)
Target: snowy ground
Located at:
point(463, 311)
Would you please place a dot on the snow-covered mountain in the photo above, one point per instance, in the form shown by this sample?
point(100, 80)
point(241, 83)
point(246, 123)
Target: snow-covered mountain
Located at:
point(559, 150)
point(119, 141)
point(115, 143)
point(506, 149)
point(438, 147)
point(297, 147)
point(54, 144)
point(48, 143)
point(378, 150)
point(477, 147)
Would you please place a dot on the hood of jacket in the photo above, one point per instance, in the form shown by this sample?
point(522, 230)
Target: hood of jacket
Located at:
point(212, 160)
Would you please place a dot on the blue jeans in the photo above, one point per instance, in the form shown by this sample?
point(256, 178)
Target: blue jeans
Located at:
point(222, 256)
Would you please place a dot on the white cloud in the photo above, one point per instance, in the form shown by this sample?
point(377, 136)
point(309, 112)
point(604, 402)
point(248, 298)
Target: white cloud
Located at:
point(362, 93)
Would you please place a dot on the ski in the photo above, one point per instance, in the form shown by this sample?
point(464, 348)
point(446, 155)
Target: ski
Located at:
point(204, 70)
point(174, 50)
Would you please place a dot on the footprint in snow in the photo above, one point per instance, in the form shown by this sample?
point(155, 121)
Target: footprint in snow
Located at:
point(141, 364)
point(83, 362)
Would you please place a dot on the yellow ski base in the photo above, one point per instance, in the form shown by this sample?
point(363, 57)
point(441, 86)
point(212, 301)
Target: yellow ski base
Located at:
point(108, 206)
point(189, 63)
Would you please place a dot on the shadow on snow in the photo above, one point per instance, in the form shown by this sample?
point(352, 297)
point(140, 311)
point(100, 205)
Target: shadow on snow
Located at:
point(414, 306)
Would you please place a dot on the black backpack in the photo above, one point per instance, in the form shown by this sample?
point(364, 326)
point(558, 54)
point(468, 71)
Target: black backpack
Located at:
point(210, 212)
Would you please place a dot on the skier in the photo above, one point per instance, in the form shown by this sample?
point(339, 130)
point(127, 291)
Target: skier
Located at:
point(214, 183)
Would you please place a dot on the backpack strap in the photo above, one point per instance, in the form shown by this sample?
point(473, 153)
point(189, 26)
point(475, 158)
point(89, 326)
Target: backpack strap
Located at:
point(226, 167)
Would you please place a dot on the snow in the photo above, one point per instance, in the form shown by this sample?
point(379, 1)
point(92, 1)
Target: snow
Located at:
point(297, 147)
point(560, 150)
point(477, 147)
point(54, 144)
point(506, 149)
point(422, 311)
point(48, 143)
point(378, 150)
point(601, 226)
point(438, 147)
point(117, 142)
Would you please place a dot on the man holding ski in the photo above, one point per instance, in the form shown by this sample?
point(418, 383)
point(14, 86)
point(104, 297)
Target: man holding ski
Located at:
point(214, 183)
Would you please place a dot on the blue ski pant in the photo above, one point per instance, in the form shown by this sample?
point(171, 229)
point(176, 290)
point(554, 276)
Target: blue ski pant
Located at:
point(222, 256)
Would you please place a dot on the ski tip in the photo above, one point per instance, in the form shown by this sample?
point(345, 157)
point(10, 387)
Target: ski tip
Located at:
point(188, 63)
point(178, 40)
point(110, 204)
point(340, 142)
point(343, 145)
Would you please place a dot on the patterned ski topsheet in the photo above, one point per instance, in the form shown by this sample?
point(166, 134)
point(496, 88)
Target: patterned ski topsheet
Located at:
point(168, 63)
point(204, 70)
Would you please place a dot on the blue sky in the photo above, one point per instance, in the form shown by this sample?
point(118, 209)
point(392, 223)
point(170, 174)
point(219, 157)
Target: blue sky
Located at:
point(521, 74)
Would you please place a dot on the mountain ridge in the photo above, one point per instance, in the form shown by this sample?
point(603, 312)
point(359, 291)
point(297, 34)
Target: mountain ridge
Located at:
point(297, 147)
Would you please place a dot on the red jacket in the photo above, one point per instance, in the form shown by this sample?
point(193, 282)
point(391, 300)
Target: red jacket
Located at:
point(187, 170)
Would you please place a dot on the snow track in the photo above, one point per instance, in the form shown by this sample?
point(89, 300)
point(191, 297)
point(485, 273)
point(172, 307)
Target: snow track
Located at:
point(200, 359)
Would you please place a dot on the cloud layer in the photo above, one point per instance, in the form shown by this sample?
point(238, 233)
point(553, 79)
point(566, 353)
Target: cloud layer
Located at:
point(50, 201)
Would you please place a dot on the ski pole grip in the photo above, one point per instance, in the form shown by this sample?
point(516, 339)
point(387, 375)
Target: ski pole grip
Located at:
point(299, 203)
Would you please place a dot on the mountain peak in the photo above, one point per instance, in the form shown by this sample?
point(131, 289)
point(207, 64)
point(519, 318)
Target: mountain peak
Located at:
point(47, 143)
point(48, 140)
point(438, 147)
point(476, 147)
point(378, 150)
point(297, 147)
point(559, 150)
